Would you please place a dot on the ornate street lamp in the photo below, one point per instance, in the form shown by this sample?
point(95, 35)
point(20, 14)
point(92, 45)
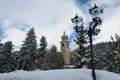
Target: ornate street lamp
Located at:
point(77, 21)
point(92, 31)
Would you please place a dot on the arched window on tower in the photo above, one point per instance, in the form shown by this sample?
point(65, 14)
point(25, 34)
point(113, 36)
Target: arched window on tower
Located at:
point(62, 44)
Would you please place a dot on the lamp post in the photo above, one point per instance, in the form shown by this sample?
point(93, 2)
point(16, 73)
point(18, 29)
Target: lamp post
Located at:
point(92, 31)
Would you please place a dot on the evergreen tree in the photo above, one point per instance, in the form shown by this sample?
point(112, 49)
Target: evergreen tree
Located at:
point(100, 50)
point(16, 56)
point(7, 61)
point(42, 52)
point(43, 43)
point(28, 52)
point(1, 53)
point(112, 57)
point(53, 59)
point(82, 52)
point(1, 48)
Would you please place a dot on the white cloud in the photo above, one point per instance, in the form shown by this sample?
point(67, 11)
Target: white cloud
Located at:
point(15, 35)
point(5, 24)
point(110, 26)
point(51, 17)
point(34, 11)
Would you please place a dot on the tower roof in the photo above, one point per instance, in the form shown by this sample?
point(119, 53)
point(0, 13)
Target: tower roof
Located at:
point(64, 37)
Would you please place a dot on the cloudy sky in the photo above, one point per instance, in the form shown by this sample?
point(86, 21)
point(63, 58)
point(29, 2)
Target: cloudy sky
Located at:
point(51, 17)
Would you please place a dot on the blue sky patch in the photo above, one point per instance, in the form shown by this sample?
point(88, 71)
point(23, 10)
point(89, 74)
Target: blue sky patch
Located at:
point(1, 33)
point(78, 2)
point(1, 30)
point(21, 26)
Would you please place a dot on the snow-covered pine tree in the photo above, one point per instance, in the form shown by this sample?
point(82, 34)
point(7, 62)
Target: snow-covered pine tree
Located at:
point(1, 47)
point(43, 45)
point(112, 57)
point(82, 41)
point(42, 52)
point(16, 56)
point(53, 59)
point(28, 52)
point(7, 61)
point(1, 53)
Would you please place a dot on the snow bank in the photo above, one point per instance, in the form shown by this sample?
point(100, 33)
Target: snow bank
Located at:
point(64, 74)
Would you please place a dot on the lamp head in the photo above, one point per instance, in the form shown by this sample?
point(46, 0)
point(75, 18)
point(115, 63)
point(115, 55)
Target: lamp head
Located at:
point(95, 10)
point(77, 19)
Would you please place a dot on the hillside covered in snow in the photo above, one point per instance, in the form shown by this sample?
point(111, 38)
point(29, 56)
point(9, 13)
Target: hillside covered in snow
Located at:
point(63, 74)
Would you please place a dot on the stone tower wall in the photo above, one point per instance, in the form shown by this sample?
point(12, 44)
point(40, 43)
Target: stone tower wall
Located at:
point(65, 49)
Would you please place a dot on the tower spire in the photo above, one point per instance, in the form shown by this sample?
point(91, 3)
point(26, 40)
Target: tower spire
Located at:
point(64, 31)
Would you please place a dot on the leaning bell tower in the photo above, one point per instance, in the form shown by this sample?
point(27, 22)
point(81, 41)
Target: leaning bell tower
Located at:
point(65, 49)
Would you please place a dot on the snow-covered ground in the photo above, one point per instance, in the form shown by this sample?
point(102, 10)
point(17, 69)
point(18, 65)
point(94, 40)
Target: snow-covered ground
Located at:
point(63, 74)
